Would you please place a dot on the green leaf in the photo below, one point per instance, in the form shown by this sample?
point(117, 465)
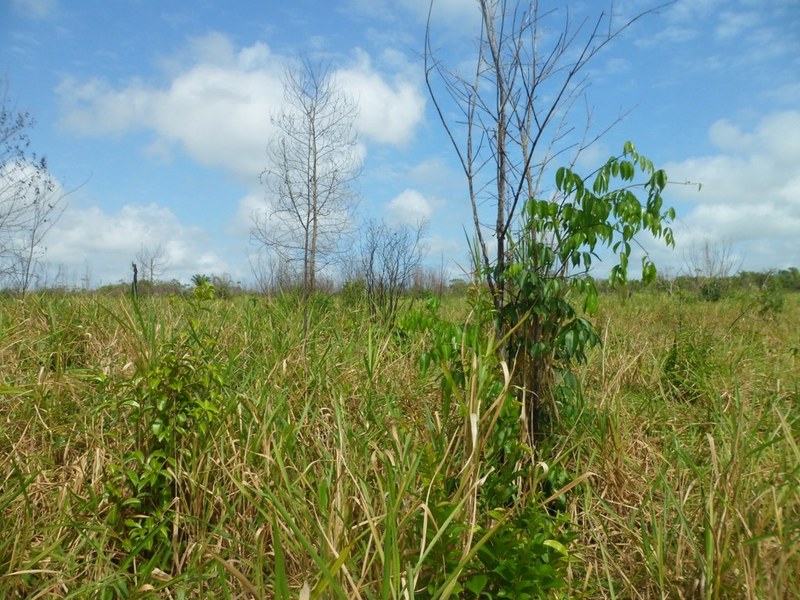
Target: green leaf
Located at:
point(570, 342)
point(476, 583)
point(590, 303)
point(601, 183)
point(557, 546)
point(560, 174)
point(626, 170)
point(424, 362)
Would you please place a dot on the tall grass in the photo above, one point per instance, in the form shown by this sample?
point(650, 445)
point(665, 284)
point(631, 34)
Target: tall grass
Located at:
point(207, 448)
point(690, 419)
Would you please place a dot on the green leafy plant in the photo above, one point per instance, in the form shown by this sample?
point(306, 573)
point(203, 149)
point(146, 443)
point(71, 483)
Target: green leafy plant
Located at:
point(711, 290)
point(493, 536)
point(176, 405)
point(203, 288)
point(547, 289)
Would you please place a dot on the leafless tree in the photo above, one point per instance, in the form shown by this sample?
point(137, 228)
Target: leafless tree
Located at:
point(711, 260)
point(430, 279)
point(272, 272)
point(152, 261)
point(30, 201)
point(509, 116)
point(710, 265)
point(312, 165)
point(389, 259)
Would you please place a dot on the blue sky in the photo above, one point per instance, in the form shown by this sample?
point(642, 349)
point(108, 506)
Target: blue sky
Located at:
point(159, 114)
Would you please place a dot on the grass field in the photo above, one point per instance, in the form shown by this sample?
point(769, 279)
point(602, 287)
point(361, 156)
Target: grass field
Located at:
point(203, 448)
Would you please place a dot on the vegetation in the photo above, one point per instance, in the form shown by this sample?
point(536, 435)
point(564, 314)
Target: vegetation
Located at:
point(521, 440)
point(506, 110)
point(198, 446)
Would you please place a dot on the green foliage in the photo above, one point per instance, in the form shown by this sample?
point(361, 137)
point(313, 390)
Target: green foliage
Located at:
point(770, 299)
point(176, 403)
point(525, 559)
point(198, 280)
point(711, 290)
point(353, 292)
point(546, 277)
point(521, 548)
point(601, 216)
point(204, 290)
point(443, 349)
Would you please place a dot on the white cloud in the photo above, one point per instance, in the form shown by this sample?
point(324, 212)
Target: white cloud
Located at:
point(435, 173)
point(250, 205)
point(217, 110)
point(108, 243)
point(750, 189)
point(785, 93)
point(409, 208)
point(218, 103)
point(388, 112)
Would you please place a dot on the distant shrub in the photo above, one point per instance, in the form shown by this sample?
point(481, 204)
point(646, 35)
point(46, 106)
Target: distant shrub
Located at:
point(770, 300)
point(711, 290)
point(353, 292)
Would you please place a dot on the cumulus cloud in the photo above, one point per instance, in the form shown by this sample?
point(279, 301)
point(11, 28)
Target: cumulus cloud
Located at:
point(106, 243)
point(217, 105)
point(217, 111)
point(750, 189)
point(389, 112)
point(409, 208)
point(249, 206)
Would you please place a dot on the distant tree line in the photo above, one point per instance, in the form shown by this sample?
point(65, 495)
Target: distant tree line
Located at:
point(716, 287)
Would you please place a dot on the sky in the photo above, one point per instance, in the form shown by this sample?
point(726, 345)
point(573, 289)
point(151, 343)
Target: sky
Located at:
point(155, 117)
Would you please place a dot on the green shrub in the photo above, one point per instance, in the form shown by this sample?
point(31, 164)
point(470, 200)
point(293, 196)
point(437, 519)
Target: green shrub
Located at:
point(176, 404)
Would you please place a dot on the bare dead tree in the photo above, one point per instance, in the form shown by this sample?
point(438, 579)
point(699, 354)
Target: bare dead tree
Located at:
point(312, 165)
point(510, 116)
point(30, 200)
point(429, 279)
point(710, 266)
point(389, 259)
point(153, 262)
point(711, 260)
